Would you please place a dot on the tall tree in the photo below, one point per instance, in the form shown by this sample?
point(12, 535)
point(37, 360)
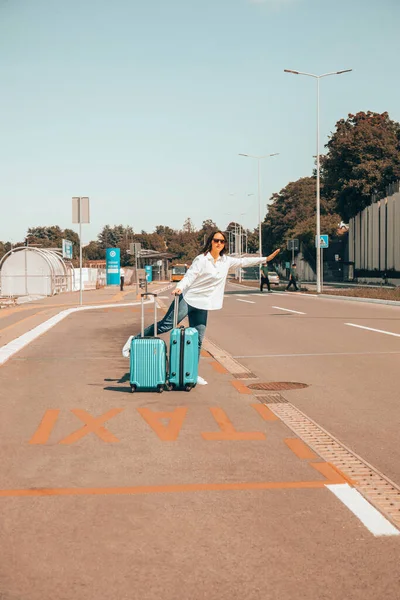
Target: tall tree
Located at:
point(112, 237)
point(208, 226)
point(188, 226)
point(292, 215)
point(363, 158)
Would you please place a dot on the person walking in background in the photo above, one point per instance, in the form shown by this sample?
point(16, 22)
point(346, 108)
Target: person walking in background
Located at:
point(202, 288)
point(121, 279)
point(293, 278)
point(265, 278)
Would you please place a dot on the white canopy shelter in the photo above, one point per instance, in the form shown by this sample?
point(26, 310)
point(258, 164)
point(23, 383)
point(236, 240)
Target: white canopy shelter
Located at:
point(26, 271)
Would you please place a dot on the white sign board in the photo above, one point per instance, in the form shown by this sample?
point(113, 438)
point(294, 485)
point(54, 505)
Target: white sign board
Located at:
point(80, 210)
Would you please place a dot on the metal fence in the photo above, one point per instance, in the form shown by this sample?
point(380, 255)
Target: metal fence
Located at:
point(374, 235)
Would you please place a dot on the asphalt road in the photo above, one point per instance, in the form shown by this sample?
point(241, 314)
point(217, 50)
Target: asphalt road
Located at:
point(353, 374)
point(105, 494)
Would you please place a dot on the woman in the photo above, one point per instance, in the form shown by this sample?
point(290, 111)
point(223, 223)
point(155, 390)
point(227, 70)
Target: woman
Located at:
point(202, 288)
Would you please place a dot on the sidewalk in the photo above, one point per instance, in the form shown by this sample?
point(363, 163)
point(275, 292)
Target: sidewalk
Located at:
point(16, 321)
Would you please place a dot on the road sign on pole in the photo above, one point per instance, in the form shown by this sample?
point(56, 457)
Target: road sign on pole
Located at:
point(135, 248)
point(323, 241)
point(293, 245)
point(80, 214)
point(67, 249)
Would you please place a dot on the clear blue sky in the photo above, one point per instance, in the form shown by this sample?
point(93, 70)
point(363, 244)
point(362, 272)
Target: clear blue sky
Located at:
point(144, 106)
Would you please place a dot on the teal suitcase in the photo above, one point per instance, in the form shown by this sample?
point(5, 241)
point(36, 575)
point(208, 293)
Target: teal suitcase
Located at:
point(148, 358)
point(183, 355)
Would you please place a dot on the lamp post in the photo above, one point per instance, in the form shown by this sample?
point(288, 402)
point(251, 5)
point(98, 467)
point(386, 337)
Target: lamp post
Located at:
point(259, 158)
point(318, 201)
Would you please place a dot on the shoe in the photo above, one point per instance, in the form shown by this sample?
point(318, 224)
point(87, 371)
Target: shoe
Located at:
point(126, 350)
point(201, 381)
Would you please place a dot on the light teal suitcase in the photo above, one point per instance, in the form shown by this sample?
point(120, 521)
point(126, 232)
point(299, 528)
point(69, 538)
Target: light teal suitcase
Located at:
point(183, 355)
point(148, 358)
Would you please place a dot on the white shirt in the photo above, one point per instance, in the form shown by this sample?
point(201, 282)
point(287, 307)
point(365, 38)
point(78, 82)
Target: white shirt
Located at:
point(122, 273)
point(204, 283)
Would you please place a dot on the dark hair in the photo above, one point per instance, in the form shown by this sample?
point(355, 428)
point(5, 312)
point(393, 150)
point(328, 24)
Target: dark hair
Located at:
point(208, 244)
point(293, 264)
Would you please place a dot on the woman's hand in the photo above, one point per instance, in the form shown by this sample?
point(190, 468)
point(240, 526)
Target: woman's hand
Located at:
point(176, 292)
point(272, 256)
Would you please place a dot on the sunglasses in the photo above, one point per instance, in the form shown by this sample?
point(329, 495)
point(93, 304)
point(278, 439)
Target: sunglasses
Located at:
point(218, 241)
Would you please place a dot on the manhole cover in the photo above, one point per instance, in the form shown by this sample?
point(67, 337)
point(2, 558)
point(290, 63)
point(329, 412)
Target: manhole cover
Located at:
point(277, 385)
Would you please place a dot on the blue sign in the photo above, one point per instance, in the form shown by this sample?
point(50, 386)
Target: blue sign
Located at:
point(323, 241)
point(67, 249)
point(112, 265)
point(149, 273)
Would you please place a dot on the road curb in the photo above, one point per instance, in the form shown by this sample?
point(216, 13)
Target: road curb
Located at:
point(332, 297)
point(352, 299)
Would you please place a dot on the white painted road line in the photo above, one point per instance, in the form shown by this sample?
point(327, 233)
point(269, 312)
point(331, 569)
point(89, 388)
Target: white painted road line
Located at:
point(371, 329)
point(289, 310)
point(248, 301)
point(369, 516)
point(266, 294)
point(23, 340)
point(245, 295)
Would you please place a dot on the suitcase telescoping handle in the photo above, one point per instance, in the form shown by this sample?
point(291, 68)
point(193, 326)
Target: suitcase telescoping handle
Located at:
point(176, 310)
point(143, 296)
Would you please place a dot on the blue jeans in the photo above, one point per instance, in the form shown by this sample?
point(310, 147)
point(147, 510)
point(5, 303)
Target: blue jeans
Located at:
point(197, 318)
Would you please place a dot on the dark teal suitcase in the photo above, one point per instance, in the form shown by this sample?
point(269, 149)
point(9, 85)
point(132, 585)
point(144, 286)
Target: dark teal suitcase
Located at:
point(183, 355)
point(148, 358)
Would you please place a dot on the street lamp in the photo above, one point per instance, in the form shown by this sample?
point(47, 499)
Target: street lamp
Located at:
point(238, 231)
point(259, 158)
point(318, 225)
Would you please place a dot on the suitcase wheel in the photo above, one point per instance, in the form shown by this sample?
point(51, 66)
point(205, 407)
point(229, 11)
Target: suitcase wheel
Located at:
point(188, 387)
point(133, 388)
point(160, 389)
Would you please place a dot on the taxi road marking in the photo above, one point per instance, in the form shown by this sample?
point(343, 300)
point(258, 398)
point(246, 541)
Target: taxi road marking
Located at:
point(169, 432)
point(227, 430)
point(93, 425)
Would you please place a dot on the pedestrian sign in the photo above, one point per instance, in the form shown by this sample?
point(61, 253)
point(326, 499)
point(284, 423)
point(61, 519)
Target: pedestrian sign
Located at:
point(323, 241)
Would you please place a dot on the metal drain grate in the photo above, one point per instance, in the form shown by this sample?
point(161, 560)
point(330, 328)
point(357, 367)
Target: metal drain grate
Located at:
point(272, 399)
point(277, 385)
point(377, 489)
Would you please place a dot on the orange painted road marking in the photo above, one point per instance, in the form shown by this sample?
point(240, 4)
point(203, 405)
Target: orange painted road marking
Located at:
point(241, 387)
point(165, 489)
point(341, 474)
point(169, 432)
point(219, 368)
point(227, 430)
point(265, 412)
point(93, 425)
point(205, 354)
point(46, 426)
point(300, 449)
point(331, 474)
